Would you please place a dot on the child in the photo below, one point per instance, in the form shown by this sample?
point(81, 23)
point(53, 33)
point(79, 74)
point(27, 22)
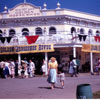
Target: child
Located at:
point(19, 70)
point(96, 70)
point(12, 72)
point(62, 76)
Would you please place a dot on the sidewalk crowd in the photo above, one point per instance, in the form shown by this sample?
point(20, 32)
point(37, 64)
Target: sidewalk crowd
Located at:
point(12, 69)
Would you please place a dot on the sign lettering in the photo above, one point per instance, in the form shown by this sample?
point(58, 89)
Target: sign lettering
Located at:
point(91, 48)
point(26, 49)
point(25, 11)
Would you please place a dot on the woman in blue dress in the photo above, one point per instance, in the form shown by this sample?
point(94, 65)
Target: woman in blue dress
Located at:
point(52, 72)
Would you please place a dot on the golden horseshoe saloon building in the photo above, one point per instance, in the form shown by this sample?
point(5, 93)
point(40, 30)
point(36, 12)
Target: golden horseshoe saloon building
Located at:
point(62, 33)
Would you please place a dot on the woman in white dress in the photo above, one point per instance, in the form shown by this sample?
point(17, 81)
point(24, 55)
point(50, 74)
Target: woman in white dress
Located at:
point(44, 67)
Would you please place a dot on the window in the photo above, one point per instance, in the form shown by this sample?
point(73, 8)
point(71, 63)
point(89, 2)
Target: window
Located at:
point(12, 32)
point(52, 30)
point(90, 32)
point(38, 31)
point(1, 33)
point(81, 31)
point(97, 33)
point(25, 32)
point(73, 30)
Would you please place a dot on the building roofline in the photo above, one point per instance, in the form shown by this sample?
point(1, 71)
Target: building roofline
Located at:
point(72, 11)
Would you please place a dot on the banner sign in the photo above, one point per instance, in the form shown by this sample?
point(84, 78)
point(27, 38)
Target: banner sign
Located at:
point(91, 48)
point(26, 49)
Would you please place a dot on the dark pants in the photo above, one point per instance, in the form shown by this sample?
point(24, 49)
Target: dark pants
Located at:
point(75, 72)
point(2, 73)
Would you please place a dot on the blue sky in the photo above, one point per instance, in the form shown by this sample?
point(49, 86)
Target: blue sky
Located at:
point(88, 6)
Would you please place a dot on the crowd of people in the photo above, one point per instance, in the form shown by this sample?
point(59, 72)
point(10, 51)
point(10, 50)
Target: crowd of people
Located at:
point(12, 69)
point(73, 70)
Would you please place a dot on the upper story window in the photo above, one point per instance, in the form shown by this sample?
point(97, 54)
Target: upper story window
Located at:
point(38, 31)
point(12, 32)
point(97, 33)
point(73, 30)
point(90, 32)
point(81, 31)
point(1, 33)
point(52, 30)
point(25, 32)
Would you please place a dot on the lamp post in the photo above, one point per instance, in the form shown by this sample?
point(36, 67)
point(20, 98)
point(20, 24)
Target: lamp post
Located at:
point(46, 55)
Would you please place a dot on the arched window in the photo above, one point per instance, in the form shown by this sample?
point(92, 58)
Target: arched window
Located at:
point(97, 33)
point(12, 32)
point(81, 31)
point(90, 32)
point(52, 30)
point(25, 31)
point(38, 31)
point(73, 30)
point(1, 32)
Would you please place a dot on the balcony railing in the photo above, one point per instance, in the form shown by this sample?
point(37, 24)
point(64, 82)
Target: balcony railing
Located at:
point(55, 39)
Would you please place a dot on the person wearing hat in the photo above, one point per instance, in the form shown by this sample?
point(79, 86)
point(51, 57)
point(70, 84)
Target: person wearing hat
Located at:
point(24, 72)
point(52, 72)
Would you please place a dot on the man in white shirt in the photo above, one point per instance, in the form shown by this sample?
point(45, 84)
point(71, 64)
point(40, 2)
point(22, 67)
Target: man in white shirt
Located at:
point(74, 67)
point(31, 68)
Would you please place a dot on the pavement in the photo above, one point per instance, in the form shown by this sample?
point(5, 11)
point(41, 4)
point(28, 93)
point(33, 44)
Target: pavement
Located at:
point(38, 88)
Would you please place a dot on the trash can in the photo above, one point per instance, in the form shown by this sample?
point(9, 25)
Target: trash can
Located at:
point(84, 91)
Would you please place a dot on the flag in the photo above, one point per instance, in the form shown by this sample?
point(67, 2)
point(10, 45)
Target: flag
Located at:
point(31, 39)
point(97, 38)
point(82, 36)
point(8, 39)
point(2, 39)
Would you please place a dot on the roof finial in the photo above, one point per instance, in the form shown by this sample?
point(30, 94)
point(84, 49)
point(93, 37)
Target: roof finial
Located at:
point(5, 9)
point(58, 5)
point(44, 6)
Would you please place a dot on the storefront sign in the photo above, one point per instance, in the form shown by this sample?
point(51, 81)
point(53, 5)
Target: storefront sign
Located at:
point(26, 49)
point(91, 48)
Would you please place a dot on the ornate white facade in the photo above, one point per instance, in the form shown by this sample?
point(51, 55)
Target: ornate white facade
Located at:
point(58, 26)
point(27, 19)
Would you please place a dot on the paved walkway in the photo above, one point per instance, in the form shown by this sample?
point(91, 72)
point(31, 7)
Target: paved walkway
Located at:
point(38, 88)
